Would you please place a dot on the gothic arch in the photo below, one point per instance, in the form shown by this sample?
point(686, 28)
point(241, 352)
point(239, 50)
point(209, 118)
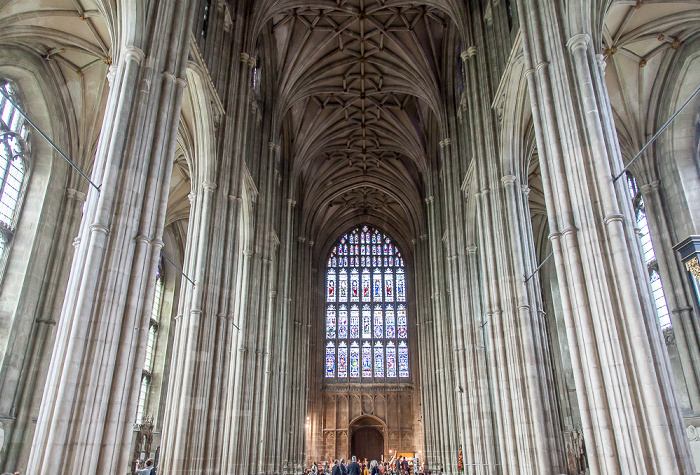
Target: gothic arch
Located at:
point(364, 422)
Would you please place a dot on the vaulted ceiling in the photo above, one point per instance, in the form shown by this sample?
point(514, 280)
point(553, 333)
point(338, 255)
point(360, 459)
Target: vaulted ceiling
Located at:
point(638, 40)
point(359, 89)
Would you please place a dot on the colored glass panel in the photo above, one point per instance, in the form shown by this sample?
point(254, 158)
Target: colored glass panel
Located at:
point(330, 360)
point(342, 360)
point(378, 360)
point(366, 360)
point(366, 322)
point(401, 323)
point(330, 322)
point(331, 286)
point(390, 322)
point(354, 360)
point(378, 323)
point(377, 285)
point(342, 322)
point(365, 286)
point(354, 285)
point(389, 287)
point(390, 360)
point(343, 286)
point(354, 322)
point(400, 286)
point(403, 360)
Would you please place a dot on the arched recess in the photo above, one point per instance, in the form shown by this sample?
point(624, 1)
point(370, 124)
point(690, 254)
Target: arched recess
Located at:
point(41, 247)
point(520, 158)
point(680, 145)
point(368, 438)
point(194, 165)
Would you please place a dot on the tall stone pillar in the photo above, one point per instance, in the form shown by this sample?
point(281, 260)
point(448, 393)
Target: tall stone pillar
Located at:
point(631, 417)
point(91, 393)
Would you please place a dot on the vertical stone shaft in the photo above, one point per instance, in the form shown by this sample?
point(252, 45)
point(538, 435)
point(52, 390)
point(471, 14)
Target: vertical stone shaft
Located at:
point(90, 398)
point(620, 367)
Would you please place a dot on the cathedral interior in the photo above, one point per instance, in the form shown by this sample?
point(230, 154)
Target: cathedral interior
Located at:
point(244, 236)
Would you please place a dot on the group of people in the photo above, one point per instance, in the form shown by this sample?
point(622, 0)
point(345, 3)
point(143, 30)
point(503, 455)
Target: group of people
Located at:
point(398, 466)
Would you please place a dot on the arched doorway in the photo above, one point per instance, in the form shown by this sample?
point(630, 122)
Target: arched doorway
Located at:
point(367, 439)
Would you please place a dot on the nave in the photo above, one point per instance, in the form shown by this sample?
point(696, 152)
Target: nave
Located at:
point(313, 230)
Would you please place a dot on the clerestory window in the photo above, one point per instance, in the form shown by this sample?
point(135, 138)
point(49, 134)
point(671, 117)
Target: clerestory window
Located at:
point(366, 311)
point(14, 151)
point(648, 251)
point(147, 372)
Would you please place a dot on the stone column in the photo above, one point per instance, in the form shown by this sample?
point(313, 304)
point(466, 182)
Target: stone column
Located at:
point(621, 369)
point(23, 373)
point(187, 403)
point(91, 393)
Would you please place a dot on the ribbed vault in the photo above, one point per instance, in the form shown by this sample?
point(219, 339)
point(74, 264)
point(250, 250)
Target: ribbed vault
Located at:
point(358, 90)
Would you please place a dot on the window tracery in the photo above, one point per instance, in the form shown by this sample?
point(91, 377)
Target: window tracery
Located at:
point(648, 252)
point(366, 316)
point(13, 168)
point(147, 371)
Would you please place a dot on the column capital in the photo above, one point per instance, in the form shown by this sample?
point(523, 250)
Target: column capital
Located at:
point(208, 185)
point(132, 53)
point(577, 42)
point(430, 199)
point(468, 53)
point(75, 195)
point(508, 180)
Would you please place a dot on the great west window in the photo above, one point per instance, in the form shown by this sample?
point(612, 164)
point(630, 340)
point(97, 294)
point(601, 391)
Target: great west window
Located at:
point(366, 312)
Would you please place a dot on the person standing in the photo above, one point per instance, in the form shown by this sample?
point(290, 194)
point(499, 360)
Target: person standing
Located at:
point(147, 469)
point(354, 467)
point(336, 468)
point(343, 467)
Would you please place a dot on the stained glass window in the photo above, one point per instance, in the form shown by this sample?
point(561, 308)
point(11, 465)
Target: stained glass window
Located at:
point(366, 315)
point(648, 252)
